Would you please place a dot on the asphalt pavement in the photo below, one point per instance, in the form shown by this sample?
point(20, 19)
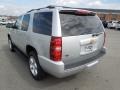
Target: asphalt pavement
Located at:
point(14, 73)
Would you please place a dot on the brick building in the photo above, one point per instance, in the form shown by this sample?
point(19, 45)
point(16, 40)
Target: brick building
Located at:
point(106, 14)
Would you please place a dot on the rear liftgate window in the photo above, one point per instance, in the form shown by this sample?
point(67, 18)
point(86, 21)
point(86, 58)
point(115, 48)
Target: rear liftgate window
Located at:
point(73, 23)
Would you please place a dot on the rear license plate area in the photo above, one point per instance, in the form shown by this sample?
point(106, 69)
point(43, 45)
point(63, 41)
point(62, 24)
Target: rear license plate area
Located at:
point(86, 49)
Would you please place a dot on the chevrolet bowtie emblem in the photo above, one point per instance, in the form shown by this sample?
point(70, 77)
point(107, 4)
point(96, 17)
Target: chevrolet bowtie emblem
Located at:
point(92, 40)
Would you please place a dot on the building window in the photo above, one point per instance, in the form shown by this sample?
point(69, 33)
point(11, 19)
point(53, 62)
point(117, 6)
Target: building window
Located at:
point(114, 16)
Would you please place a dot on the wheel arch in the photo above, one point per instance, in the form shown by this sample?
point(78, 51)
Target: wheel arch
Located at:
point(30, 48)
point(9, 36)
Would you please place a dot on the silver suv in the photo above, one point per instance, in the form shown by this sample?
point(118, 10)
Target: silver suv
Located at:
point(58, 40)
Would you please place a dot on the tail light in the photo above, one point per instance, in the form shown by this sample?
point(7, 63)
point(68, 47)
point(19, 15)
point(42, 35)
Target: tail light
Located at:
point(104, 39)
point(56, 48)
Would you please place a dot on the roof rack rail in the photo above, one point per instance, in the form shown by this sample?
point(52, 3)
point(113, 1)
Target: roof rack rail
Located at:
point(52, 6)
point(30, 10)
point(36, 9)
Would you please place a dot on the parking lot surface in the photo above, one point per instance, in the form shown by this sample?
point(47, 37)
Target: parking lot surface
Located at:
point(14, 73)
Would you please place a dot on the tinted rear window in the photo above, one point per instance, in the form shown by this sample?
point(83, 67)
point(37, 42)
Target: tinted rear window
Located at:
point(42, 23)
point(73, 25)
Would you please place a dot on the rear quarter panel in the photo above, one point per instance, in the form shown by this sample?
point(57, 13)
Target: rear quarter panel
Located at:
point(41, 43)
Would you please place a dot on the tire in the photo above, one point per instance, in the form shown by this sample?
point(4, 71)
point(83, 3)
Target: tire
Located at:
point(11, 46)
point(34, 67)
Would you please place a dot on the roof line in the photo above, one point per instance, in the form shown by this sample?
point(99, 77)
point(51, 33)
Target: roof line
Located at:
point(92, 9)
point(53, 6)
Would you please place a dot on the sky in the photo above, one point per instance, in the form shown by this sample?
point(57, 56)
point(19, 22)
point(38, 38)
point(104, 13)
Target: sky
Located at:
point(17, 7)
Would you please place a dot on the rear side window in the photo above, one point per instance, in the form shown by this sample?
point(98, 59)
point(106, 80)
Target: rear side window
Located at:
point(73, 25)
point(25, 22)
point(42, 23)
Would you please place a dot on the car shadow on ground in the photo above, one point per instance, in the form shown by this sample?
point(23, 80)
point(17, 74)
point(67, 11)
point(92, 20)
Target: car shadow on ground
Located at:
point(20, 64)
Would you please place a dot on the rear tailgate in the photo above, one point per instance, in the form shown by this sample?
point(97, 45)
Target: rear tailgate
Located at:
point(78, 48)
point(83, 36)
